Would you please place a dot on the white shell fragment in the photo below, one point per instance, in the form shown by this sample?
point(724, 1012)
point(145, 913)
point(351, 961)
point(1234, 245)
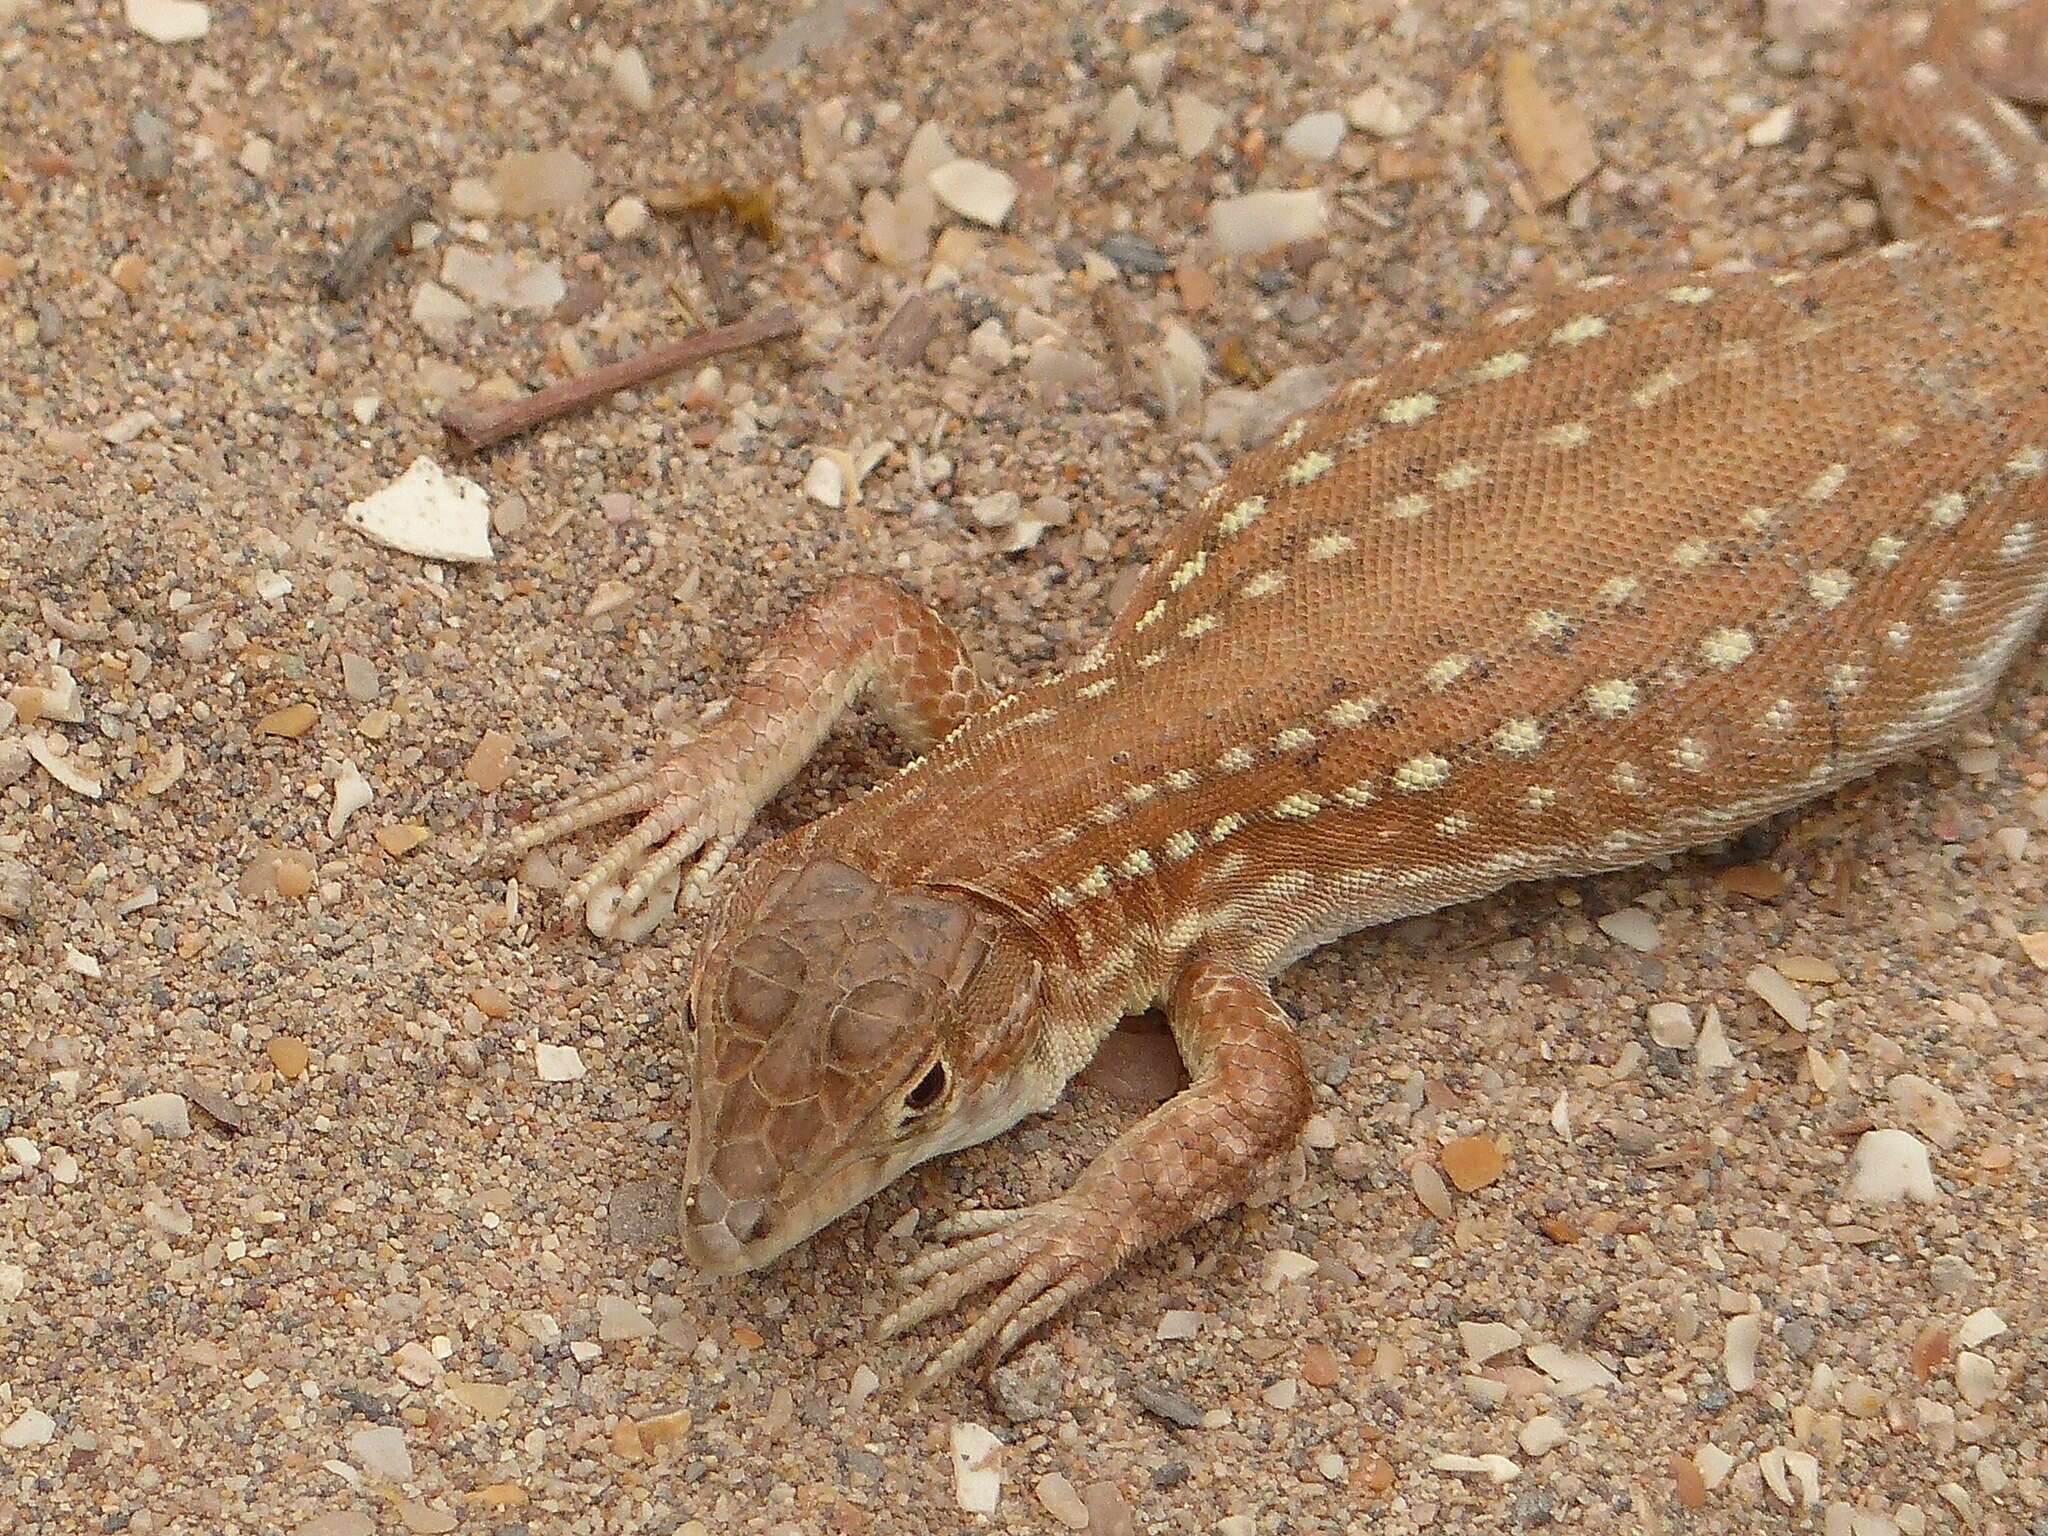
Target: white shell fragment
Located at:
point(558, 1063)
point(169, 21)
point(974, 190)
point(428, 512)
point(1264, 221)
point(977, 1469)
point(1889, 1166)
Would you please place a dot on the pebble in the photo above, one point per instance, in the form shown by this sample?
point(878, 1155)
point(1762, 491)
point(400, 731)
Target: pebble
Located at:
point(825, 481)
point(1738, 1351)
point(1284, 1266)
point(1928, 1108)
point(1196, 123)
point(1671, 1025)
point(428, 512)
point(1497, 1469)
point(165, 1114)
point(502, 280)
point(1982, 1325)
point(13, 1282)
point(424, 1519)
point(351, 793)
point(1571, 1374)
point(1784, 999)
point(558, 1063)
point(169, 21)
point(977, 1468)
point(974, 190)
point(1548, 135)
point(1633, 927)
point(1062, 1501)
point(24, 1152)
point(1976, 1378)
point(1178, 1324)
point(1543, 1433)
point(1473, 1162)
point(490, 762)
point(289, 1054)
point(1315, 136)
point(628, 218)
point(472, 198)
point(1483, 1341)
point(257, 156)
point(17, 886)
point(1890, 1166)
point(33, 1427)
point(530, 182)
point(1714, 1465)
point(1431, 1190)
point(127, 427)
point(1266, 220)
point(619, 1319)
point(380, 1450)
point(1712, 1052)
point(415, 1363)
point(631, 81)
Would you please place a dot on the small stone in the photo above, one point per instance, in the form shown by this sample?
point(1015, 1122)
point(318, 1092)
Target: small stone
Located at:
point(1473, 1162)
point(1712, 1052)
point(1178, 1325)
point(1928, 1108)
point(1543, 1433)
point(1571, 1374)
point(1431, 1190)
point(1690, 1481)
point(257, 155)
point(168, 1217)
point(1315, 136)
point(502, 280)
point(1930, 1351)
point(531, 182)
point(1483, 1341)
point(1062, 1501)
point(1548, 135)
point(558, 1063)
point(1713, 1464)
point(974, 190)
point(1759, 882)
point(434, 307)
point(631, 80)
point(1195, 124)
point(1284, 1266)
point(415, 1363)
point(380, 1450)
point(1889, 1166)
point(1976, 1378)
point(291, 721)
point(490, 763)
point(825, 481)
point(289, 1054)
point(1980, 1326)
point(619, 1319)
point(489, 1399)
point(472, 198)
point(1265, 220)
point(1738, 1352)
point(165, 1114)
point(1784, 999)
point(977, 1469)
point(1633, 927)
point(25, 1153)
point(169, 21)
point(428, 512)
point(33, 1427)
point(424, 1519)
point(128, 427)
point(364, 408)
point(1773, 128)
point(1496, 1469)
point(17, 887)
point(1671, 1025)
point(628, 218)
point(1389, 110)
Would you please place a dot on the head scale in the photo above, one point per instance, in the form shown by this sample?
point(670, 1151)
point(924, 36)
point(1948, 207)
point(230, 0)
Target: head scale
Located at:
point(844, 1031)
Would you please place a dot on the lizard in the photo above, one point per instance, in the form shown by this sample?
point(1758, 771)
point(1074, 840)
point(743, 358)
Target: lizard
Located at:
point(1611, 573)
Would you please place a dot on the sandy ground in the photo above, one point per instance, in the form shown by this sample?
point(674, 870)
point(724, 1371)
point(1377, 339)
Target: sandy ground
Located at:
point(299, 1230)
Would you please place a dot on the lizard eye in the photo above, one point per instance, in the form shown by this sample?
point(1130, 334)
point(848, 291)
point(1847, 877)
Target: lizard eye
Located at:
point(929, 1090)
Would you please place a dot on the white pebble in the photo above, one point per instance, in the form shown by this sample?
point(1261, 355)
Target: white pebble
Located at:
point(1387, 111)
point(628, 218)
point(1773, 128)
point(501, 279)
point(1738, 1352)
point(558, 1063)
point(825, 481)
point(1483, 1341)
point(1976, 1378)
point(1785, 999)
point(1195, 124)
point(1497, 1469)
point(1928, 1108)
point(380, 1450)
point(1889, 1166)
point(166, 1114)
point(169, 21)
point(618, 1318)
point(434, 306)
point(1543, 1433)
point(1284, 1266)
point(13, 1281)
point(351, 793)
point(1714, 1054)
point(1264, 221)
point(427, 512)
point(34, 1427)
point(1572, 1374)
point(1983, 1324)
point(974, 190)
point(1178, 1324)
point(1315, 136)
point(631, 81)
point(1634, 927)
point(257, 156)
point(23, 1151)
point(364, 408)
point(63, 1166)
point(1671, 1025)
point(1283, 1394)
point(977, 1469)
point(472, 197)
point(1714, 1464)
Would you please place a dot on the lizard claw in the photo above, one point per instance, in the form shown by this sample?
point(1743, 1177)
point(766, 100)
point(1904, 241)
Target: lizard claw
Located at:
point(1043, 1253)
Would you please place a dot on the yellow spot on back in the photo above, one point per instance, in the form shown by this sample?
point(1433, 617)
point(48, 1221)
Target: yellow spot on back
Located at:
point(1689, 754)
point(1236, 760)
point(2028, 462)
point(1094, 883)
point(1725, 648)
point(1181, 844)
point(1263, 584)
point(1310, 466)
point(1224, 826)
point(1545, 622)
point(1690, 553)
point(1297, 807)
point(1518, 738)
point(1330, 545)
point(1618, 589)
point(1242, 515)
point(1611, 698)
point(1442, 674)
point(1420, 773)
point(1512, 314)
point(1898, 636)
point(1459, 474)
point(1457, 824)
point(1294, 739)
point(1566, 434)
point(1827, 482)
point(1502, 365)
point(1540, 797)
point(1135, 863)
point(1346, 713)
point(1760, 518)
point(1150, 616)
point(1689, 293)
point(1624, 778)
point(1655, 388)
point(1781, 715)
point(1886, 548)
point(1096, 689)
point(1182, 779)
point(1149, 659)
point(1293, 433)
point(1844, 677)
point(1188, 571)
point(1948, 599)
point(1356, 796)
point(1201, 624)
point(1409, 409)
point(1947, 509)
point(1829, 587)
point(1579, 329)
point(1406, 508)
point(2017, 541)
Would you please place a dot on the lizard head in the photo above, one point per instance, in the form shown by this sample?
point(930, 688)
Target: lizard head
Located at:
point(844, 1032)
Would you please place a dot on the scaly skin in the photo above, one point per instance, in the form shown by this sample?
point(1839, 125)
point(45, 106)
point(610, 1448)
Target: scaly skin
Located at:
point(1603, 577)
